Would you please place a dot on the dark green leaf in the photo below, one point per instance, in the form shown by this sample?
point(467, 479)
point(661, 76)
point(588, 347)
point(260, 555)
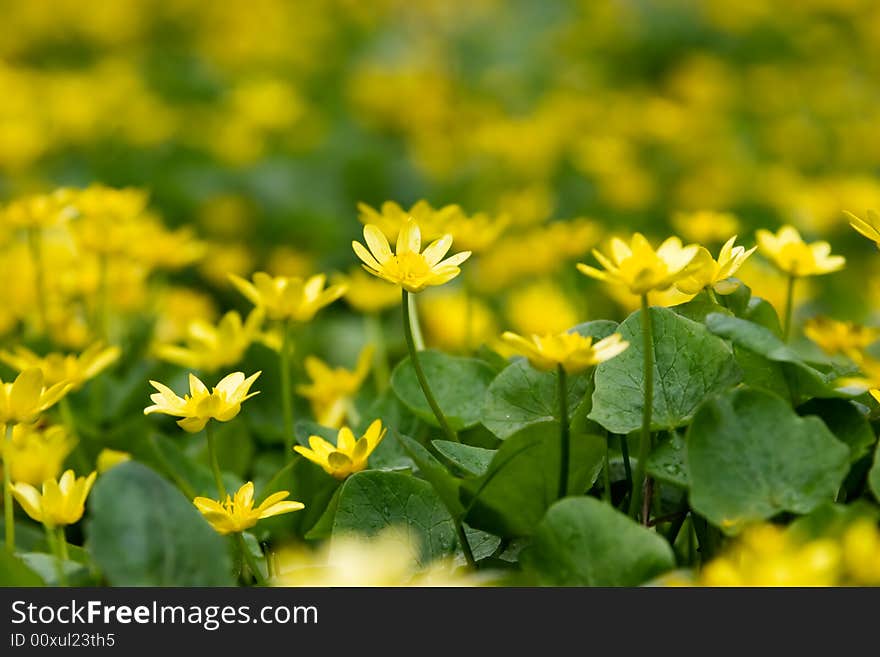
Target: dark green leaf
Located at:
point(846, 422)
point(15, 572)
point(668, 461)
point(473, 460)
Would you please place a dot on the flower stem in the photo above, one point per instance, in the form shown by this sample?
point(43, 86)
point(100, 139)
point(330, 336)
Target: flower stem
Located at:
point(789, 308)
point(712, 297)
point(249, 559)
point(52, 540)
point(564, 436)
point(215, 465)
point(8, 516)
point(413, 321)
point(380, 356)
point(169, 469)
point(420, 374)
point(606, 470)
point(286, 391)
point(641, 488)
point(62, 543)
point(465, 545)
point(35, 243)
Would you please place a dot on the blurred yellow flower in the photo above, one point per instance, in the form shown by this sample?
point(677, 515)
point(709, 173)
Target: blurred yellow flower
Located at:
point(349, 455)
point(108, 458)
point(573, 351)
point(289, 262)
point(409, 267)
point(177, 308)
point(26, 397)
point(708, 272)
point(861, 553)
point(222, 403)
point(236, 514)
point(73, 369)
point(62, 501)
point(477, 232)
point(331, 390)
point(34, 454)
point(640, 268)
point(540, 307)
point(368, 294)
point(835, 337)
point(869, 226)
point(225, 258)
point(285, 298)
point(452, 319)
point(705, 227)
point(209, 347)
point(390, 558)
point(792, 255)
point(38, 210)
point(391, 219)
point(629, 302)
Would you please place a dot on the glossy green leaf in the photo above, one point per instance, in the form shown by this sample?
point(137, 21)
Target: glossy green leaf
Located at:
point(472, 460)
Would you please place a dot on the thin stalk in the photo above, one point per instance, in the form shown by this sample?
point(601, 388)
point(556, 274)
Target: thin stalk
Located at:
point(35, 243)
point(286, 390)
point(69, 422)
point(381, 371)
point(52, 540)
point(420, 374)
point(641, 488)
point(269, 488)
point(564, 437)
point(465, 545)
point(215, 465)
point(185, 488)
point(249, 560)
point(627, 469)
point(8, 516)
point(789, 307)
point(712, 296)
point(606, 470)
point(413, 321)
point(62, 542)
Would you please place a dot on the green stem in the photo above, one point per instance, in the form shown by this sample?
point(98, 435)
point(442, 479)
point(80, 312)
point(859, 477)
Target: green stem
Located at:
point(381, 371)
point(215, 465)
point(606, 470)
point(35, 242)
point(564, 437)
point(8, 515)
point(465, 544)
point(412, 314)
point(249, 560)
point(286, 391)
point(627, 468)
point(62, 543)
point(420, 374)
point(789, 307)
point(185, 488)
point(712, 296)
point(52, 540)
point(641, 488)
point(269, 488)
point(69, 422)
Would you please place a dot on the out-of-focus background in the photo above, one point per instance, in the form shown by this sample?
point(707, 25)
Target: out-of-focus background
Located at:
point(264, 123)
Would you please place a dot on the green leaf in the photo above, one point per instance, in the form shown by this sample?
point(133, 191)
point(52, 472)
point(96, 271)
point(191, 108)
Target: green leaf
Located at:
point(750, 457)
point(371, 501)
point(458, 384)
point(584, 542)
point(44, 565)
point(143, 532)
point(596, 329)
point(689, 364)
point(803, 381)
point(522, 396)
point(874, 474)
point(15, 572)
point(523, 479)
point(699, 307)
point(668, 461)
point(435, 473)
point(846, 422)
point(473, 460)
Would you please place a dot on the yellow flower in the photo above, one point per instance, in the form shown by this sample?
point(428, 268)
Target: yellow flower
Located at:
point(222, 403)
point(540, 307)
point(209, 347)
point(638, 267)
point(391, 218)
point(72, 369)
point(331, 391)
point(708, 272)
point(349, 455)
point(476, 232)
point(109, 458)
point(573, 351)
point(869, 226)
point(35, 455)
point(409, 268)
point(706, 226)
point(26, 397)
point(368, 294)
point(791, 254)
point(445, 317)
point(62, 502)
point(39, 210)
point(237, 513)
point(630, 302)
point(288, 298)
point(836, 337)
point(861, 552)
